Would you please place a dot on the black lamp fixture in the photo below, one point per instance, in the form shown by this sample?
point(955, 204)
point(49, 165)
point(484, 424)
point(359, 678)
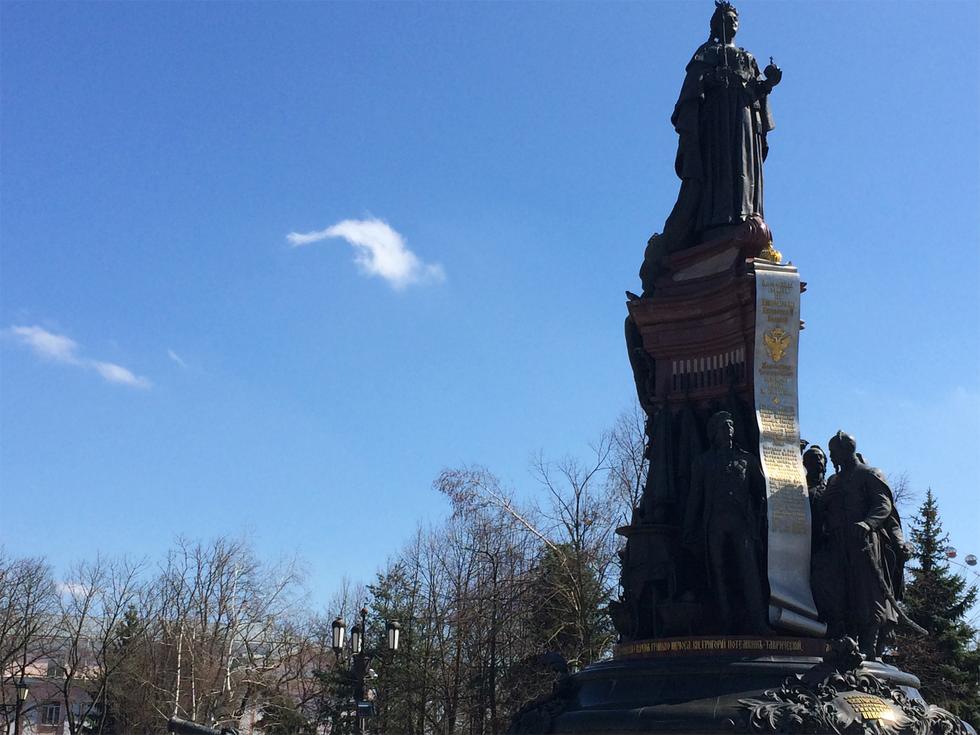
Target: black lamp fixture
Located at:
point(21, 698)
point(359, 657)
point(337, 628)
point(394, 629)
point(356, 639)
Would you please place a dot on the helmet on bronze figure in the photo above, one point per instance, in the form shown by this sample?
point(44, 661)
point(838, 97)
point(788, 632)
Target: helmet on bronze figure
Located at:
point(842, 447)
point(843, 440)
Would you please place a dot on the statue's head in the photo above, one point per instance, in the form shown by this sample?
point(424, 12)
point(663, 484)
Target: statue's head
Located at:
point(721, 428)
point(724, 21)
point(843, 448)
point(815, 461)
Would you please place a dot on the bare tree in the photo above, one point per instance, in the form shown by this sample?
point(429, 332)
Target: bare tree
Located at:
point(348, 600)
point(581, 514)
point(27, 604)
point(904, 495)
point(93, 600)
point(223, 619)
point(628, 461)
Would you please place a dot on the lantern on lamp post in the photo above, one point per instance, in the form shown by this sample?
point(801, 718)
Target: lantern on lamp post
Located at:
point(356, 639)
point(394, 630)
point(22, 690)
point(337, 630)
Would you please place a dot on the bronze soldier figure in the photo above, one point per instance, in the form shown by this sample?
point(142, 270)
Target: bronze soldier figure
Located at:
point(863, 547)
point(725, 520)
point(824, 580)
point(815, 464)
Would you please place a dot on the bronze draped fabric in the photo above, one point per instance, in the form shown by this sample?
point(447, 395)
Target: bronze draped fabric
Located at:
point(722, 118)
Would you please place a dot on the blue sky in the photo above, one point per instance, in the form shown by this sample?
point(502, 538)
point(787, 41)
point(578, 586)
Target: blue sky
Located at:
point(173, 363)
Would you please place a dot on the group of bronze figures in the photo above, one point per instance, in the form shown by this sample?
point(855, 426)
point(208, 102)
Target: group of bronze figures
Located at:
point(720, 524)
point(858, 549)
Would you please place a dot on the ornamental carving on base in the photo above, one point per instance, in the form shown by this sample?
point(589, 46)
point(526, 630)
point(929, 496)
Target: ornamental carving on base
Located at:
point(538, 717)
point(845, 703)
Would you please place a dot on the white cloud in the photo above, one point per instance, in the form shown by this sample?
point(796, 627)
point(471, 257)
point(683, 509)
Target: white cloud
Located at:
point(118, 374)
point(60, 348)
point(176, 358)
point(73, 589)
point(46, 344)
point(378, 251)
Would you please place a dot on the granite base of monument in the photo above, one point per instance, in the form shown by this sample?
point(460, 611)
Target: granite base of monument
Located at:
point(737, 684)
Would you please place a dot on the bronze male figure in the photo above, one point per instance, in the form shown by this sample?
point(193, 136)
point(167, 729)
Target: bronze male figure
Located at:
point(864, 549)
point(824, 579)
point(726, 520)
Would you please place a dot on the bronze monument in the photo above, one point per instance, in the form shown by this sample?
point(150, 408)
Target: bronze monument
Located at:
point(756, 596)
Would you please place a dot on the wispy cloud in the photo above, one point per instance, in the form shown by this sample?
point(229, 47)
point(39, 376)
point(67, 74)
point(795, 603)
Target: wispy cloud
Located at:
point(72, 589)
point(59, 348)
point(176, 358)
point(378, 251)
point(46, 344)
point(118, 374)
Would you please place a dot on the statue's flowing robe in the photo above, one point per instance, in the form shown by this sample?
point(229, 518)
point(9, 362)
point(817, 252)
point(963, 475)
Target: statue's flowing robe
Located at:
point(722, 127)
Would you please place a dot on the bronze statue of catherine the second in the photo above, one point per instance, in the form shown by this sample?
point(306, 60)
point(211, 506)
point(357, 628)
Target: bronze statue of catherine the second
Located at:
point(722, 118)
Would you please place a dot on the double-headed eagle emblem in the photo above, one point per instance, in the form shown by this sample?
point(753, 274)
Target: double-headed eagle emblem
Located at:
point(777, 341)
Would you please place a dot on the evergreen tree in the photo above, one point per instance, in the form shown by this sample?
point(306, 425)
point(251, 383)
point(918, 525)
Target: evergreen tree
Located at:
point(567, 612)
point(401, 675)
point(947, 661)
point(121, 696)
point(281, 716)
point(335, 707)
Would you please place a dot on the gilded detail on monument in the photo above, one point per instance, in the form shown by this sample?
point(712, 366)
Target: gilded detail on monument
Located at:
point(799, 646)
point(776, 401)
point(870, 707)
point(777, 342)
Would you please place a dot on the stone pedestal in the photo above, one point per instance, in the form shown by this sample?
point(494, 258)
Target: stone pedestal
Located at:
point(736, 684)
point(693, 336)
point(718, 332)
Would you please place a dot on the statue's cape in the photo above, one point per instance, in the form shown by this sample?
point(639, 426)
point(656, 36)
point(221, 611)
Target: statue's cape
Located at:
point(890, 533)
point(892, 541)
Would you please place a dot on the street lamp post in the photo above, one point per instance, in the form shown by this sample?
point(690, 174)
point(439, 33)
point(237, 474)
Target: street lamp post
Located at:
point(21, 698)
point(359, 659)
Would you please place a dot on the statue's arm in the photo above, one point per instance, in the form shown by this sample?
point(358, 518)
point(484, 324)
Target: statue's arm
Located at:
point(880, 502)
point(773, 76)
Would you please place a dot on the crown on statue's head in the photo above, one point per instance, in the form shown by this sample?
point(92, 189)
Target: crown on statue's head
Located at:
point(723, 6)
